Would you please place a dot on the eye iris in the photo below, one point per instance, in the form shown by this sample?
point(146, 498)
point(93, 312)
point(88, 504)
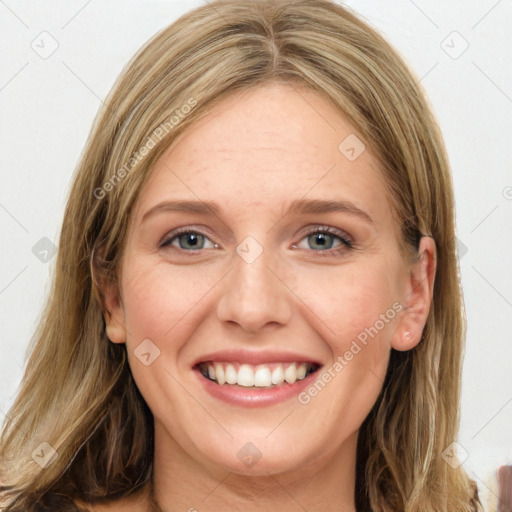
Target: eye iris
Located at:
point(191, 238)
point(321, 237)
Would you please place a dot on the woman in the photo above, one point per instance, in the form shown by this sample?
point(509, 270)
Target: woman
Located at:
point(199, 350)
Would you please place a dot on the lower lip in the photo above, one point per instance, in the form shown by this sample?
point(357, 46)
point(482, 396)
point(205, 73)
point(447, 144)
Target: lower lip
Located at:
point(255, 397)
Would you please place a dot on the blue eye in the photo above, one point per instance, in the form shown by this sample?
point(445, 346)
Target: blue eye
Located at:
point(323, 238)
point(188, 240)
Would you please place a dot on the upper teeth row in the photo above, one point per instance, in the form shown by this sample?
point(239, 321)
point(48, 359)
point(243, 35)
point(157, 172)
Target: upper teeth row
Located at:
point(261, 376)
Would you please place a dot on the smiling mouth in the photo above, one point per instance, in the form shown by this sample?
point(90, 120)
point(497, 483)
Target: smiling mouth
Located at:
point(256, 376)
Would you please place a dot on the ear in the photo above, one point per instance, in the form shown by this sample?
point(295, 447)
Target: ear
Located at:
point(114, 314)
point(107, 294)
point(417, 297)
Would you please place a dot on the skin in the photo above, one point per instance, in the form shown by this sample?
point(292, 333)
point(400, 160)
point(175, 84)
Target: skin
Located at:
point(254, 153)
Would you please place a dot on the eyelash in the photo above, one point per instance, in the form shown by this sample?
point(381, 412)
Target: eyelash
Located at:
point(346, 243)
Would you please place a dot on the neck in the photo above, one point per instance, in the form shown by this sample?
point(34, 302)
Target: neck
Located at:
point(181, 483)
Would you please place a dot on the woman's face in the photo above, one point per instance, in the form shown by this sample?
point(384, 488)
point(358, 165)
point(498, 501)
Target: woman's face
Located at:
point(290, 286)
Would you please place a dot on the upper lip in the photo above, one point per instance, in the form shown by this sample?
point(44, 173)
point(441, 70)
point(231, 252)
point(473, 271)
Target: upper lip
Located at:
point(255, 357)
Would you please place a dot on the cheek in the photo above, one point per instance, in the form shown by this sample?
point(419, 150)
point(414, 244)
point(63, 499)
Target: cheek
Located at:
point(355, 312)
point(160, 301)
point(349, 302)
point(162, 304)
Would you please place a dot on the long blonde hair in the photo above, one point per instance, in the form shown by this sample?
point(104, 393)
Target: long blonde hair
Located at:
point(78, 395)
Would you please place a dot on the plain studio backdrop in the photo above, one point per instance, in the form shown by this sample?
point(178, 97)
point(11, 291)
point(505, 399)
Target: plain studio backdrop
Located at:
point(60, 59)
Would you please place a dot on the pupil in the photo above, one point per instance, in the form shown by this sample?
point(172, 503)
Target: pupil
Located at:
point(190, 239)
point(321, 240)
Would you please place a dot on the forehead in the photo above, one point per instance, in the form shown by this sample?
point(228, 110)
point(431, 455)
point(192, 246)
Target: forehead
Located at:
point(266, 147)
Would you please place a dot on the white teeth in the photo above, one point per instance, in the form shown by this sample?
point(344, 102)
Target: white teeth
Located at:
point(246, 376)
point(301, 372)
point(260, 376)
point(230, 374)
point(290, 374)
point(263, 378)
point(278, 375)
point(219, 373)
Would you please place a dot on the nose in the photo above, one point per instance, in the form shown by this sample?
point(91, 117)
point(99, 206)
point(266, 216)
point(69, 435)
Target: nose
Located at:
point(254, 295)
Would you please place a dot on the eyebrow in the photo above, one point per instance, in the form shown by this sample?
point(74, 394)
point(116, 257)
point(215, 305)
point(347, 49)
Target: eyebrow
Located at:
point(299, 206)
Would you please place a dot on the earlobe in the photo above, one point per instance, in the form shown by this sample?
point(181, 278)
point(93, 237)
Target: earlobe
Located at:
point(417, 299)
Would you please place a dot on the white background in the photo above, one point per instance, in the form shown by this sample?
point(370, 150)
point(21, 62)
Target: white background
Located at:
point(48, 104)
